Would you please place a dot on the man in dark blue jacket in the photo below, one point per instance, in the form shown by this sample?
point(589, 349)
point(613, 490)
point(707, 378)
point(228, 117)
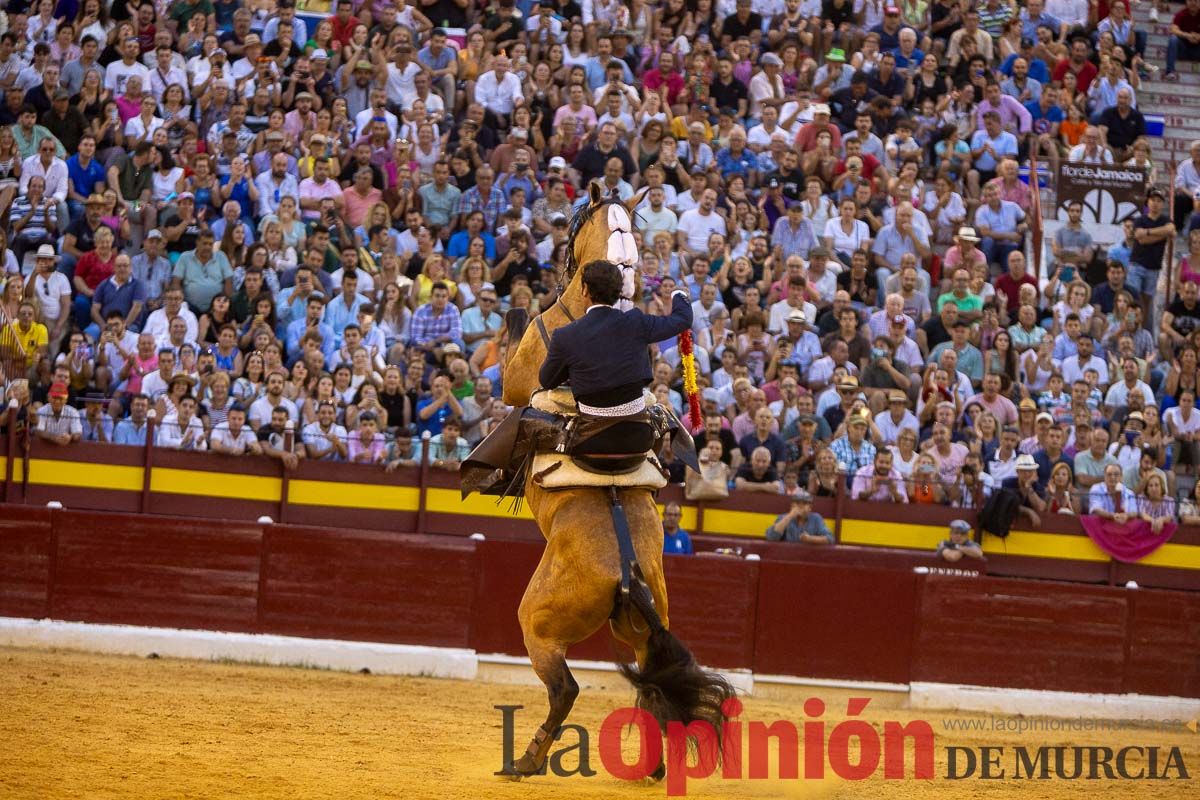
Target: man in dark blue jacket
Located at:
point(605, 356)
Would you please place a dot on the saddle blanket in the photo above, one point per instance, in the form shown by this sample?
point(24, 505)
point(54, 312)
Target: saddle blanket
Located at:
point(569, 475)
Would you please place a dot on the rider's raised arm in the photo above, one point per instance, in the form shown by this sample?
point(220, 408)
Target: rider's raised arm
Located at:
point(657, 328)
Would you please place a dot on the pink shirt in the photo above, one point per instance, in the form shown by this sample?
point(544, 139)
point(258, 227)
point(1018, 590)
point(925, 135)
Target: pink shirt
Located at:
point(311, 190)
point(356, 446)
point(357, 205)
point(1018, 193)
point(134, 384)
point(1002, 408)
point(954, 258)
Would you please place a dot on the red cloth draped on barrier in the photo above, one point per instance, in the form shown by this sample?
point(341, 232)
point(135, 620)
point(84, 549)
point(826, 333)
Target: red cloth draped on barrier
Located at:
point(1130, 541)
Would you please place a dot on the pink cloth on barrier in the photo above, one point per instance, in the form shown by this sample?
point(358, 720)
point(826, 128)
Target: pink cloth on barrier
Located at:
point(1128, 542)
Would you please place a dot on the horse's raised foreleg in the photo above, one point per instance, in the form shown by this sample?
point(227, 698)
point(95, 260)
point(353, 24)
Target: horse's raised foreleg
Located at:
point(550, 664)
point(568, 598)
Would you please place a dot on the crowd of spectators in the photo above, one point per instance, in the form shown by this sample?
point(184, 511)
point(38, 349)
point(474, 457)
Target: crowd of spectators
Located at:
point(294, 233)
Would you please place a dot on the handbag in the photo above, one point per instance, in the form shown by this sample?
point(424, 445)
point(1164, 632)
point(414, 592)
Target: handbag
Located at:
point(710, 483)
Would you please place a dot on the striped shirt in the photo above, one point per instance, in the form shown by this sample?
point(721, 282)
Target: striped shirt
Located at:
point(427, 326)
point(39, 224)
point(57, 424)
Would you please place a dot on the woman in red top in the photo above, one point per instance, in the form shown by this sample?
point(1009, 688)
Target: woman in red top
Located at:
point(92, 269)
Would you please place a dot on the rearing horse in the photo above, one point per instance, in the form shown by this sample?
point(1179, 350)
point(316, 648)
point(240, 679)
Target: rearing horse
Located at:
point(575, 587)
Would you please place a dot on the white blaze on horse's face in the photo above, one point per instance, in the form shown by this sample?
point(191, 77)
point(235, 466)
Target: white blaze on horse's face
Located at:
point(622, 250)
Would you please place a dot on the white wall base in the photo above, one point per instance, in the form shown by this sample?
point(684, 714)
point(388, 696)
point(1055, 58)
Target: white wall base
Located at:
point(1040, 703)
point(463, 664)
point(386, 659)
point(742, 680)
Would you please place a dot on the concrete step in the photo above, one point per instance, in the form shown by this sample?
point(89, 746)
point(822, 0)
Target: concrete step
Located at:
point(1170, 148)
point(1188, 80)
point(1166, 101)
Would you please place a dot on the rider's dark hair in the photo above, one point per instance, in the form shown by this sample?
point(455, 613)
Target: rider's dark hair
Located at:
point(603, 281)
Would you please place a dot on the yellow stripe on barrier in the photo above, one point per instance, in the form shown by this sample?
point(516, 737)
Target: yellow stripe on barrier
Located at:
point(84, 475)
point(890, 534)
point(750, 524)
point(450, 501)
point(1044, 545)
point(18, 468)
point(1178, 556)
point(218, 485)
point(353, 495)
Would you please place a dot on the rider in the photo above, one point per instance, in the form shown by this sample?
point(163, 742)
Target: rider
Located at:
point(605, 356)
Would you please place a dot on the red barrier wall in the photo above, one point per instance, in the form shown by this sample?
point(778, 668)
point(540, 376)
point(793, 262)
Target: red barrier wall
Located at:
point(834, 622)
point(990, 632)
point(367, 586)
point(1164, 628)
point(25, 547)
point(143, 570)
point(816, 618)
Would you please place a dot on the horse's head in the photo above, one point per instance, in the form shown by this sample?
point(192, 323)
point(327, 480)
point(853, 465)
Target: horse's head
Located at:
point(602, 229)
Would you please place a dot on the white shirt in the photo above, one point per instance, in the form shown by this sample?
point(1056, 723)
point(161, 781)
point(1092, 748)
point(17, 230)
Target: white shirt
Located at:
point(1118, 394)
point(698, 227)
point(158, 326)
point(154, 385)
point(846, 242)
point(890, 430)
point(400, 89)
point(55, 175)
point(159, 82)
point(118, 73)
point(761, 89)
point(66, 422)
point(1078, 154)
point(499, 97)
point(780, 311)
point(314, 436)
point(139, 129)
point(759, 138)
point(116, 362)
point(49, 292)
point(221, 435)
point(1174, 416)
point(170, 433)
point(1073, 371)
point(364, 117)
point(1072, 12)
point(260, 411)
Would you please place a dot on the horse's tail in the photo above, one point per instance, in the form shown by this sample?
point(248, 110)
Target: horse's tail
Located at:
point(671, 686)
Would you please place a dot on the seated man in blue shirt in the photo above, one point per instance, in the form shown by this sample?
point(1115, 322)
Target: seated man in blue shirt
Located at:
point(676, 540)
point(800, 523)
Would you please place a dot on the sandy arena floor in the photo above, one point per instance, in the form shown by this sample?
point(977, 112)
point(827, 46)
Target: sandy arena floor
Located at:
point(84, 726)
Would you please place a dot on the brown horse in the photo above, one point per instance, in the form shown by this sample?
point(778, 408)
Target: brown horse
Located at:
point(575, 588)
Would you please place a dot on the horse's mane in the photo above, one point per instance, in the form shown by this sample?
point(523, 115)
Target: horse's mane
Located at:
point(582, 217)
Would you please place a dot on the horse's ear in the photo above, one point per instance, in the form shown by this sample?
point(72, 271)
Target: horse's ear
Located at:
point(595, 193)
point(636, 200)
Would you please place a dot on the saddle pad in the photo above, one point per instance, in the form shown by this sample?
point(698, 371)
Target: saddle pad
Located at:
point(562, 401)
point(554, 401)
point(570, 475)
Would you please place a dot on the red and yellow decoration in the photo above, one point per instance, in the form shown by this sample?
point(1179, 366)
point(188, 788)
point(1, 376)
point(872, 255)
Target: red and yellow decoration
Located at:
point(687, 360)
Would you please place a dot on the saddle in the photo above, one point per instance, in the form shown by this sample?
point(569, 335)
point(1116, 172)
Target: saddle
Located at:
point(541, 439)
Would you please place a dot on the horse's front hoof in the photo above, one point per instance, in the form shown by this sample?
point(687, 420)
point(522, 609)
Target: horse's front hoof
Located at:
point(526, 766)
